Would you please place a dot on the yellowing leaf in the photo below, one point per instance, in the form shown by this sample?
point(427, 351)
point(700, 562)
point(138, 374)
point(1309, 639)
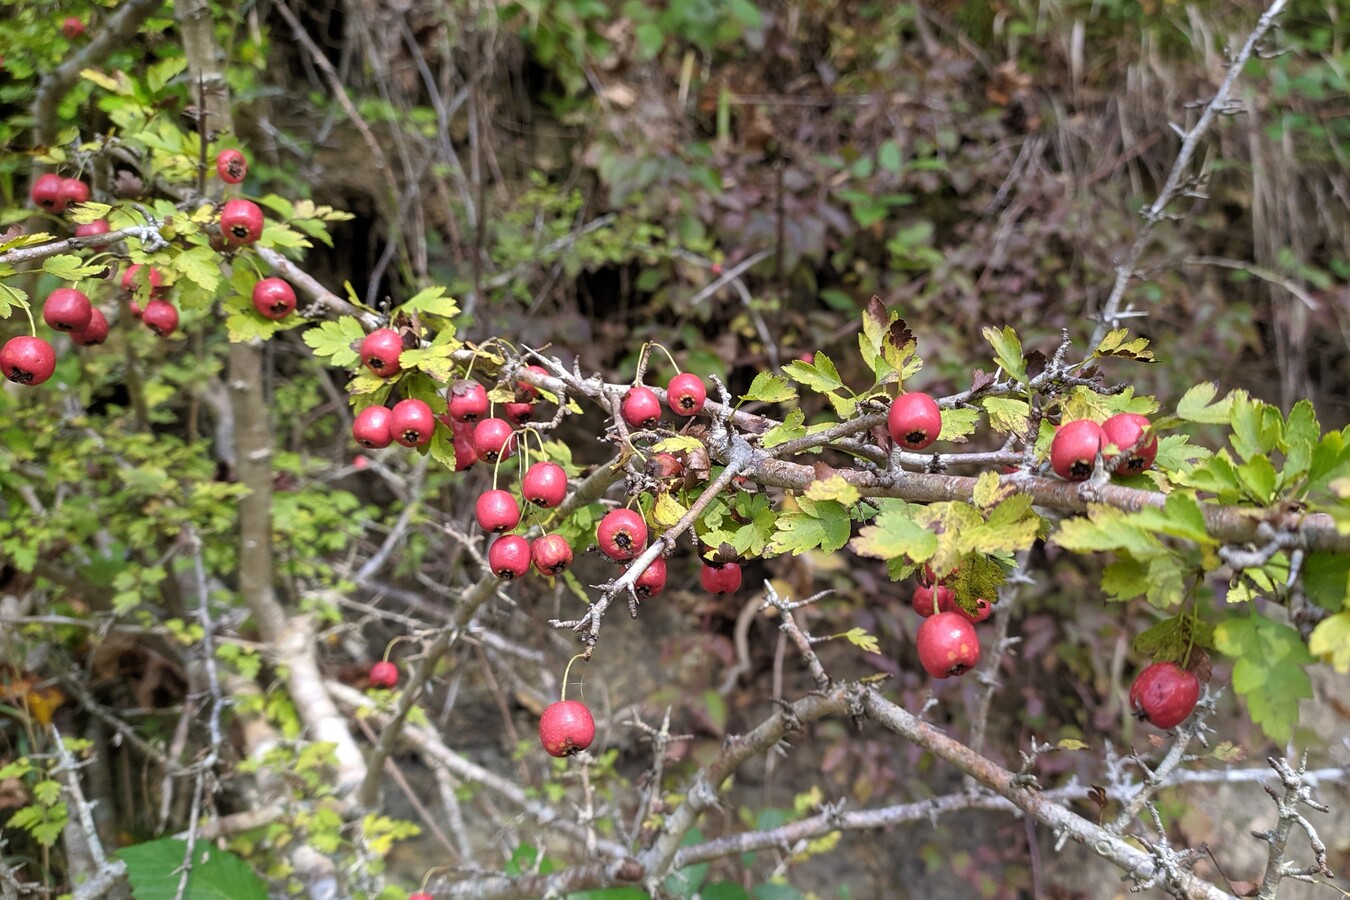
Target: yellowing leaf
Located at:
point(667, 511)
point(1072, 744)
point(1330, 640)
point(834, 488)
point(859, 638)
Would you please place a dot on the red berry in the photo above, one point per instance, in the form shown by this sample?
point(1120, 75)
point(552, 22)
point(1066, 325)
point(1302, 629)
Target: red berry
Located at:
point(652, 581)
point(664, 466)
point(686, 394)
point(420, 895)
point(231, 166)
point(526, 392)
point(551, 554)
point(373, 427)
point(723, 579)
point(494, 439)
point(518, 412)
point(383, 674)
point(133, 278)
point(641, 408)
point(566, 727)
point(496, 510)
point(89, 229)
point(544, 484)
point(948, 645)
point(914, 420)
point(96, 332)
point(983, 610)
point(273, 298)
point(74, 190)
point(465, 453)
point(67, 309)
point(509, 556)
point(621, 534)
point(161, 317)
point(1074, 449)
point(241, 222)
point(468, 401)
point(72, 28)
point(1126, 430)
point(47, 192)
point(1164, 694)
point(411, 422)
point(380, 351)
point(27, 360)
point(924, 602)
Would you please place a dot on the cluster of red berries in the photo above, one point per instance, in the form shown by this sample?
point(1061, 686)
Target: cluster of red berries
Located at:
point(946, 641)
point(56, 194)
point(1076, 444)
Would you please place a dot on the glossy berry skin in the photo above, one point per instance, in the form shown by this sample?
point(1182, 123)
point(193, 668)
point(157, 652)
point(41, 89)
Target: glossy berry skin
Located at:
point(621, 534)
point(412, 422)
point(1164, 694)
point(551, 554)
point(273, 298)
point(380, 351)
point(566, 727)
point(640, 408)
point(89, 229)
point(518, 413)
point(96, 332)
point(72, 28)
point(74, 190)
point(161, 317)
point(983, 610)
point(497, 511)
point(465, 453)
point(723, 579)
point(1125, 430)
point(948, 645)
point(67, 309)
point(133, 278)
point(383, 674)
point(241, 222)
point(468, 401)
point(509, 556)
point(231, 166)
point(652, 581)
point(373, 427)
point(1074, 449)
point(494, 439)
point(914, 420)
point(48, 193)
point(544, 484)
point(924, 603)
point(686, 394)
point(27, 360)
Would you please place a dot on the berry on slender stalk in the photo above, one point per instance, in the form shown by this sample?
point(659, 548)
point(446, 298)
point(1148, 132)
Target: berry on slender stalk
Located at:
point(373, 427)
point(411, 422)
point(67, 309)
point(566, 727)
point(273, 298)
point(96, 332)
point(544, 484)
point(380, 351)
point(640, 407)
point(27, 360)
point(652, 581)
point(383, 674)
point(241, 222)
point(621, 534)
point(723, 579)
point(494, 439)
point(948, 645)
point(929, 601)
point(497, 511)
point(1126, 431)
point(551, 554)
point(89, 229)
point(231, 166)
point(509, 556)
point(686, 394)
point(47, 192)
point(1164, 694)
point(914, 420)
point(468, 401)
point(1074, 449)
point(161, 317)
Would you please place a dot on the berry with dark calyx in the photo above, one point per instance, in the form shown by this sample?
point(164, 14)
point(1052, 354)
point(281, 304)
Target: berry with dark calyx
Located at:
point(641, 408)
point(96, 332)
point(27, 360)
point(465, 453)
point(621, 534)
point(74, 190)
point(686, 394)
point(67, 309)
point(551, 554)
point(161, 317)
point(1126, 431)
point(134, 277)
point(89, 229)
point(373, 427)
point(566, 727)
point(526, 392)
point(72, 28)
point(494, 439)
point(468, 401)
point(231, 166)
point(1074, 449)
point(273, 298)
point(241, 222)
point(948, 645)
point(48, 192)
point(652, 581)
point(664, 466)
point(380, 351)
point(1164, 694)
point(914, 420)
point(544, 484)
point(723, 579)
point(497, 511)
point(519, 413)
point(929, 601)
point(509, 556)
point(412, 422)
point(383, 674)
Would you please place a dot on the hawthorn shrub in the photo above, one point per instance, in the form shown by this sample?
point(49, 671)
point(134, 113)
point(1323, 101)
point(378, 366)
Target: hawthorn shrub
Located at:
point(260, 531)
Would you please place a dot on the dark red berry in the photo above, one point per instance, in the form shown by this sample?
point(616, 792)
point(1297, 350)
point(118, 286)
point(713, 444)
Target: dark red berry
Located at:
point(509, 556)
point(1127, 431)
point(519, 413)
point(929, 601)
point(74, 190)
point(231, 166)
point(621, 534)
point(380, 351)
point(723, 579)
point(544, 484)
point(383, 674)
point(412, 422)
point(468, 401)
point(89, 229)
point(47, 192)
point(652, 581)
point(67, 309)
point(27, 360)
point(686, 394)
point(641, 408)
point(273, 298)
point(551, 554)
point(241, 222)
point(465, 453)
point(565, 728)
point(161, 317)
point(664, 466)
point(914, 420)
point(497, 510)
point(136, 275)
point(373, 427)
point(72, 28)
point(948, 645)
point(494, 439)
point(96, 332)
point(1164, 694)
point(1074, 449)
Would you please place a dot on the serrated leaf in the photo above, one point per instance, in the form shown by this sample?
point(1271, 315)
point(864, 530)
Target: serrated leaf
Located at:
point(667, 511)
point(1006, 415)
point(677, 444)
point(895, 534)
point(277, 235)
point(898, 346)
point(432, 302)
point(770, 388)
point(201, 266)
point(820, 375)
point(989, 490)
point(1007, 351)
point(824, 525)
point(244, 327)
point(333, 340)
point(859, 638)
point(1180, 517)
point(959, 422)
point(1115, 344)
point(1216, 475)
point(1257, 426)
point(1197, 405)
point(1172, 639)
point(434, 361)
point(1258, 477)
point(154, 870)
point(1330, 640)
point(1104, 528)
point(790, 429)
point(11, 298)
point(844, 407)
point(69, 267)
point(836, 488)
point(1268, 672)
point(88, 211)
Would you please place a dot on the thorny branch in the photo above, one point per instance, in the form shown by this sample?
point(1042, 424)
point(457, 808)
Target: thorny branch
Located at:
point(1297, 793)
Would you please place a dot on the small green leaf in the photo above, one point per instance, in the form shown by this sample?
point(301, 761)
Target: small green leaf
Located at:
point(677, 443)
point(1268, 672)
point(333, 340)
point(69, 267)
point(1197, 405)
point(860, 638)
point(1326, 579)
point(791, 429)
point(770, 388)
point(824, 525)
point(837, 488)
point(957, 423)
point(1115, 344)
point(893, 534)
point(154, 870)
point(820, 376)
point(1007, 351)
point(1006, 415)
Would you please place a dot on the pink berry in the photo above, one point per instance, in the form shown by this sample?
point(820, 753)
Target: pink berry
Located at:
point(686, 394)
point(411, 422)
point(373, 427)
point(652, 581)
point(497, 511)
point(1126, 430)
point(161, 317)
point(723, 579)
point(566, 727)
point(67, 309)
point(640, 407)
point(468, 401)
point(544, 484)
point(914, 420)
point(383, 674)
point(27, 360)
point(96, 332)
point(89, 229)
point(47, 192)
point(380, 351)
point(551, 554)
point(231, 166)
point(1074, 449)
point(509, 556)
point(494, 439)
point(948, 645)
point(241, 222)
point(273, 298)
